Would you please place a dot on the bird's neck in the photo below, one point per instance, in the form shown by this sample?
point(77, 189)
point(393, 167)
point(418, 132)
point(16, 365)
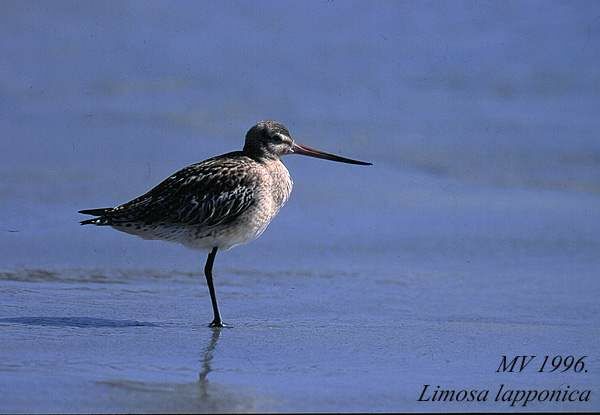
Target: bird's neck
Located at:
point(259, 153)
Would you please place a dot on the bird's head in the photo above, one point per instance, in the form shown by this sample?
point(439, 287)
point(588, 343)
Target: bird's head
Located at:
point(269, 138)
point(272, 139)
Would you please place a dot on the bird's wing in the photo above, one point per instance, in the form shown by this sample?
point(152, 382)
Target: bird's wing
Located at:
point(210, 193)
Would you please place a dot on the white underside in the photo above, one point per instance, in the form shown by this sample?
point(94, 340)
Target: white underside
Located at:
point(223, 238)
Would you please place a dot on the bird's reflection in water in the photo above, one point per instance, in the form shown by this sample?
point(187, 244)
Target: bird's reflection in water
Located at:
point(206, 362)
point(213, 397)
point(191, 397)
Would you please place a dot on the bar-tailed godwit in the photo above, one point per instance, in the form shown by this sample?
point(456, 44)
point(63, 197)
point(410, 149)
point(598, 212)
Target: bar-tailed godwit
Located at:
point(218, 203)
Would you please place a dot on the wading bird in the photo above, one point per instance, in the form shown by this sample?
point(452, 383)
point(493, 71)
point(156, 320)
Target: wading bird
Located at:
point(218, 203)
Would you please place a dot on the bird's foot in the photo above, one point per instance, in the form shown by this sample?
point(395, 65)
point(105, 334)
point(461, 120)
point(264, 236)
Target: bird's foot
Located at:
point(217, 324)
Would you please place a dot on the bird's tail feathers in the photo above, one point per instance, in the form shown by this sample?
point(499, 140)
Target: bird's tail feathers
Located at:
point(102, 220)
point(96, 212)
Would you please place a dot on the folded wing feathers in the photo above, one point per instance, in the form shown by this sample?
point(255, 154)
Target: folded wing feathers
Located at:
point(200, 194)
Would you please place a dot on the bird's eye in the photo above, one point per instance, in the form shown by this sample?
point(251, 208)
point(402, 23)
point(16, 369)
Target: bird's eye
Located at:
point(278, 137)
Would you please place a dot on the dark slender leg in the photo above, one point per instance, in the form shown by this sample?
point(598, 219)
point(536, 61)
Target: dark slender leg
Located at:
point(217, 322)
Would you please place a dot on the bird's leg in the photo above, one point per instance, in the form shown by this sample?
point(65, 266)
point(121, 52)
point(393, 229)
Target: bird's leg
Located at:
point(217, 322)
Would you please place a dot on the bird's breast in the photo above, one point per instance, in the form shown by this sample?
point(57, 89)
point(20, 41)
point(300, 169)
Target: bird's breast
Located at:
point(281, 184)
point(273, 191)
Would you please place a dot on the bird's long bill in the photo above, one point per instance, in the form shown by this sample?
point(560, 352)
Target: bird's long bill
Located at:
point(311, 152)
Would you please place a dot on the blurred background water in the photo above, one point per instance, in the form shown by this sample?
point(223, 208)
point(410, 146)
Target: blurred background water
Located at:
point(475, 234)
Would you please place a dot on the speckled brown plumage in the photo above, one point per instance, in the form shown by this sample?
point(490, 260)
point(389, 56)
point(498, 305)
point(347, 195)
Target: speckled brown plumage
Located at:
point(208, 203)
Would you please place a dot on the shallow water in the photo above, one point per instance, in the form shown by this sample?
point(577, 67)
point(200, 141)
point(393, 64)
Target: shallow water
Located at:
point(474, 235)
